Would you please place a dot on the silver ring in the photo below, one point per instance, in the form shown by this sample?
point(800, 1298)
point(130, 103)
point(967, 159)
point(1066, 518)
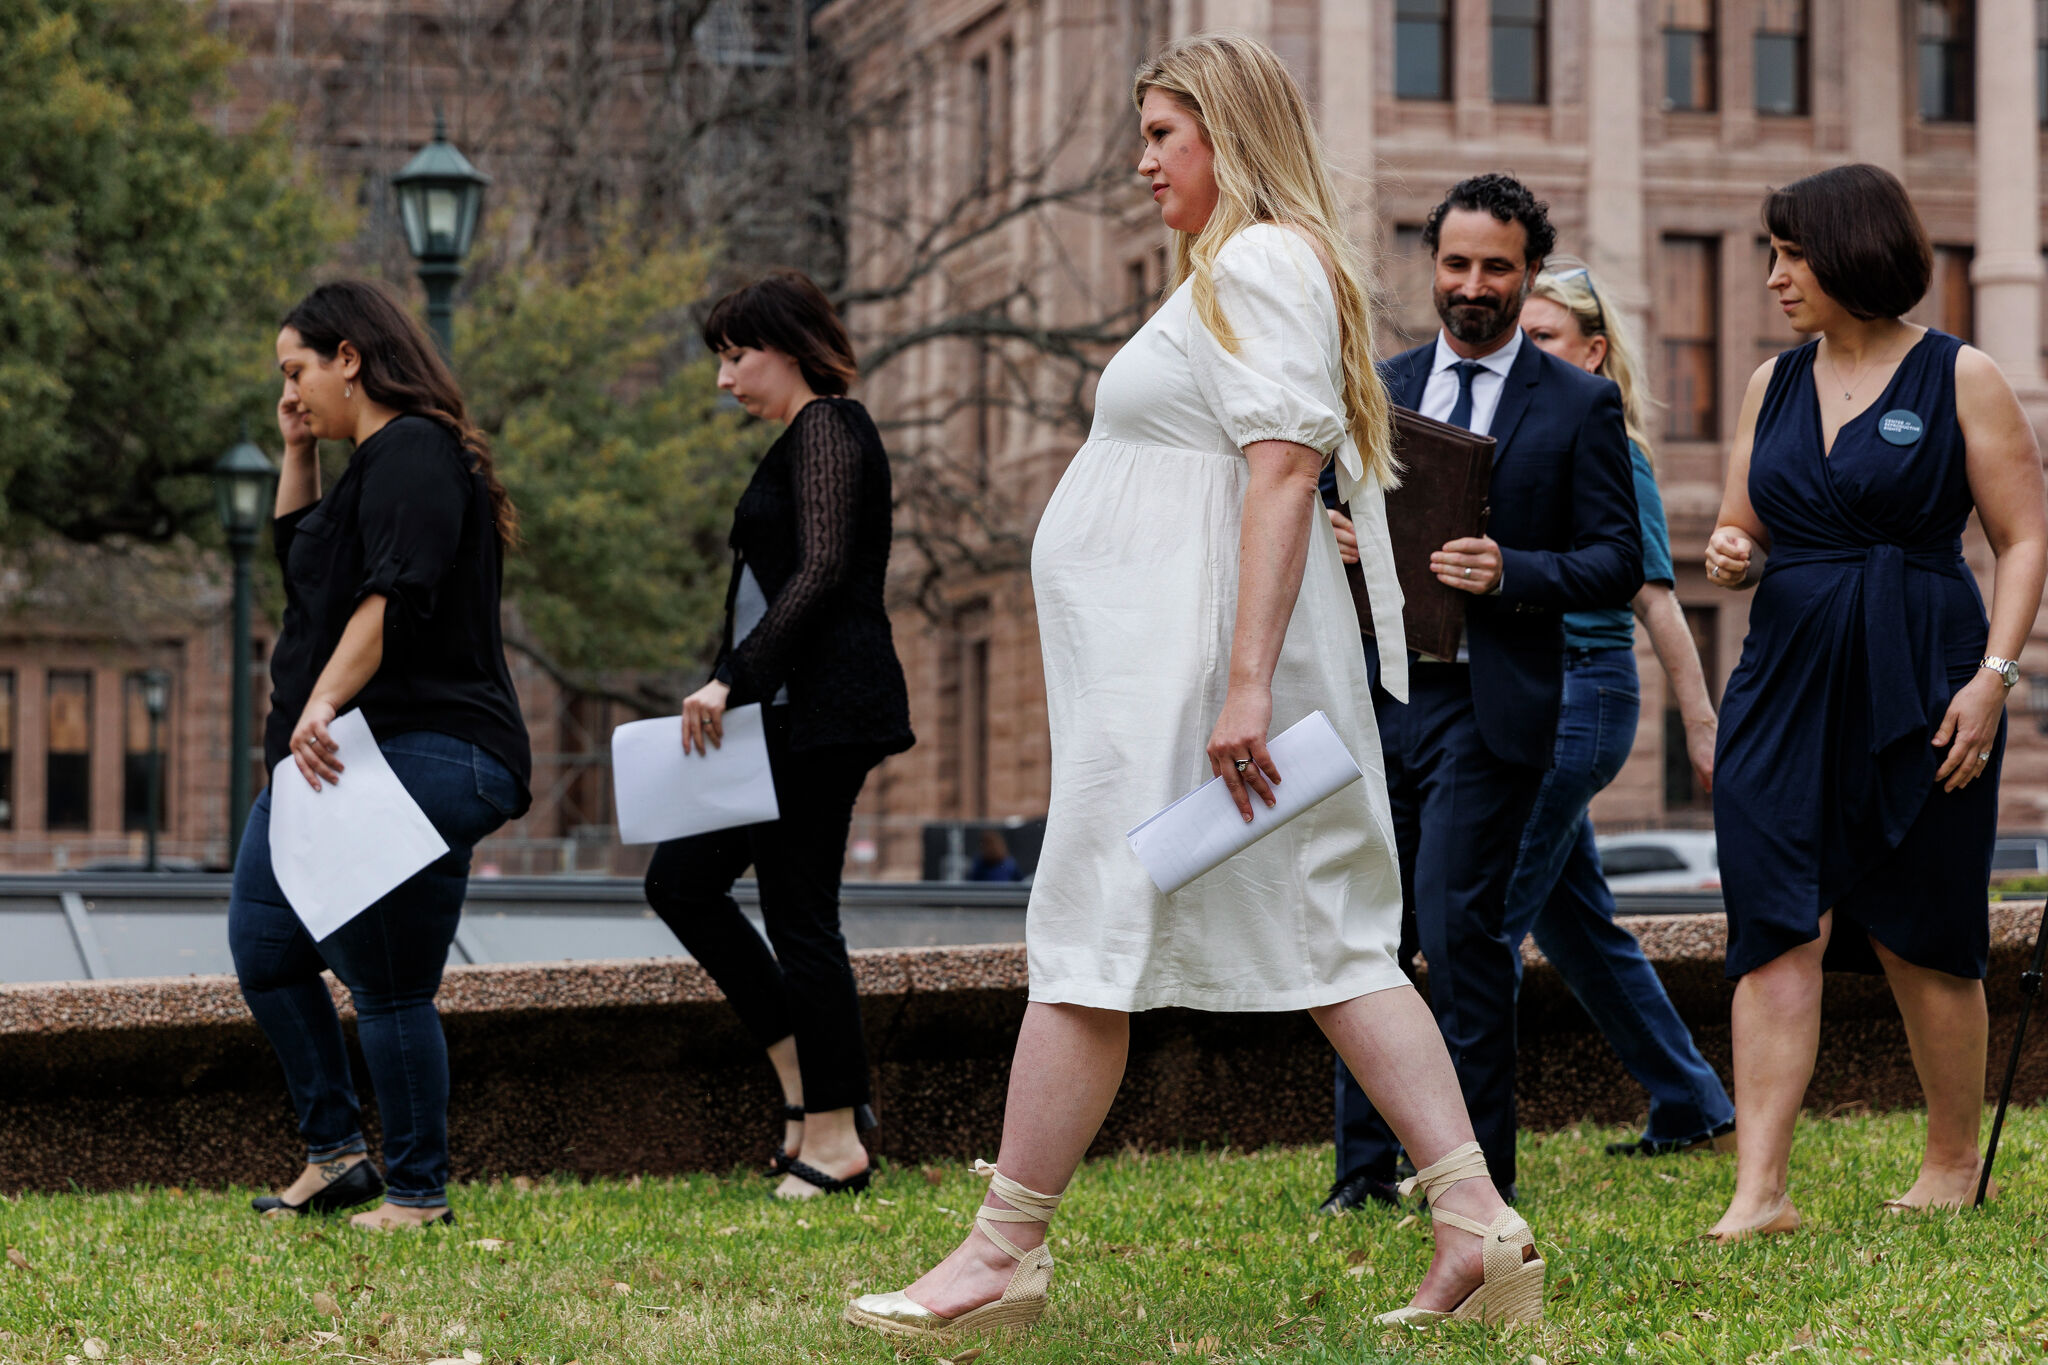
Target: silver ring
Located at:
point(1243, 763)
point(1468, 571)
point(1984, 758)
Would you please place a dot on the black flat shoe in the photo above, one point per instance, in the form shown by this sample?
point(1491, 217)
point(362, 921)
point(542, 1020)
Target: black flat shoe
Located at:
point(359, 1184)
point(1356, 1190)
point(864, 1121)
point(1713, 1140)
point(825, 1184)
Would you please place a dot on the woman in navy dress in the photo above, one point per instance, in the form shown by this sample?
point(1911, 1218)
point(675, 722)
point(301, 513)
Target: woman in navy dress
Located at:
point(1856, 785)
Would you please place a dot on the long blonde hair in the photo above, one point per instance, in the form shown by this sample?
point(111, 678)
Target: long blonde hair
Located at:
point(1269, 169)
point(1568, 282)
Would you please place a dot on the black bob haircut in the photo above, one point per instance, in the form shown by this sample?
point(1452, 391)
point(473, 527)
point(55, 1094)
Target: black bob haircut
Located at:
point(1861, 236)
point(785, 311)
point(1508, 200)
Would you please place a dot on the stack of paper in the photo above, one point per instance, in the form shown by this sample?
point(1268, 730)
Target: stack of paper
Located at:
point(1196, 833)
point(665, 791)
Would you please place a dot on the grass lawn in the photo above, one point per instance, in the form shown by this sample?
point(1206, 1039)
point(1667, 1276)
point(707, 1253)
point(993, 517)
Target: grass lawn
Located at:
point(1172, 1259)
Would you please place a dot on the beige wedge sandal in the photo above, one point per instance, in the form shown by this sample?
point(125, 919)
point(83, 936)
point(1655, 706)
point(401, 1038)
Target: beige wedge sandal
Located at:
point(1023, 1300)
point(1510, 1288)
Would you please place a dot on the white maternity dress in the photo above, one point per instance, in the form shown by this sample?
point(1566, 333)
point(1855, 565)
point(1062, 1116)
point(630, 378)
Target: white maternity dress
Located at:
point(1134, 568)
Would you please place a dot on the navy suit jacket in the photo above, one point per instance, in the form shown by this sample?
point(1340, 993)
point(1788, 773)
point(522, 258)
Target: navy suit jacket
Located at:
point(1563, 502)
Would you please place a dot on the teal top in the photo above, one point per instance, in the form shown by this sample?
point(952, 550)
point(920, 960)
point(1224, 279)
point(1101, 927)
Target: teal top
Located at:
point(1615, 627)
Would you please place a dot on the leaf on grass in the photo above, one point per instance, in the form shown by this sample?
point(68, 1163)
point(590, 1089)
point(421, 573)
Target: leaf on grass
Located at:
point(522, 1183)
point(322, 1338)
point(448, 1360)
point(727, 1232)
point(970, 1354)
point(1358, 1256)
point(16, 1259)
point(934, 1176)
point(1141, 1312)
point(1315, 1237)
point(386, 1319)
point(1208, 1345)
point(1870, 1256)
point(95, 1349)
point(1863, 1353)
point(621, 1287)
point(1804, 1336)
point(473, 1357)
point(491, 1243)
point(324, 1302)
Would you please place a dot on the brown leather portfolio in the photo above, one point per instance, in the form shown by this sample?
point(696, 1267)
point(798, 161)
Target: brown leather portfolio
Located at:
point(1445, 474)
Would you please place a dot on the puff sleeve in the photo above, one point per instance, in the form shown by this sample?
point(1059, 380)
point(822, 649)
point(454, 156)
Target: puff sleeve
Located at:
point(1282, 383)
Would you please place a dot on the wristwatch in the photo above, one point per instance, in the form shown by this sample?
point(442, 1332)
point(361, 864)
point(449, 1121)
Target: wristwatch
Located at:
point(2008, 670)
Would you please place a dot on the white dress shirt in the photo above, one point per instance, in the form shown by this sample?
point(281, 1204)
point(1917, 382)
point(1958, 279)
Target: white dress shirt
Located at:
point(1440, 394)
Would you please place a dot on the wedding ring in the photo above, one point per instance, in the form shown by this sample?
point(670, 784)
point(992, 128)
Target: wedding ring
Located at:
point(1468, 571)
point(1984, 758)
point(1244, 763)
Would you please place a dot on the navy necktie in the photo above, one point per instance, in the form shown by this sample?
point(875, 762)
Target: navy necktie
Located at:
point(1461, 411)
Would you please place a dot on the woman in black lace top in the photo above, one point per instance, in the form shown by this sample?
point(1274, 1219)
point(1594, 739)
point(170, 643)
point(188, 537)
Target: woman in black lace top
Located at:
point(807, 636)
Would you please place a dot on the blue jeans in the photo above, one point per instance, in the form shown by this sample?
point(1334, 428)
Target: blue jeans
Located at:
point(390, 957)
point(1559, 893)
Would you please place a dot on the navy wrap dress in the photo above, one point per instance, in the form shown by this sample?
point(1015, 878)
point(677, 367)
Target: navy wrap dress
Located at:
point(1865, 624)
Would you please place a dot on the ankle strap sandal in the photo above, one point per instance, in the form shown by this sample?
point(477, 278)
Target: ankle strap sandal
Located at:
point(1511, 1280)
point(1024, 1298)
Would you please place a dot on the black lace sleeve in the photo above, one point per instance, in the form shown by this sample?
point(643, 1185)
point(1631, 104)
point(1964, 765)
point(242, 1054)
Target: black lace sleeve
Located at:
point(826, 471)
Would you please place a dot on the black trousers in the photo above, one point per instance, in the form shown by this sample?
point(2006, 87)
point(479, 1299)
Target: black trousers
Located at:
point(1459, 811)
point(805, 987)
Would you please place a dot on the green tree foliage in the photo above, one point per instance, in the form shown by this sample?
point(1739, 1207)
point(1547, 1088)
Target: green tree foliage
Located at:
point(615, 446)
point(144, 259)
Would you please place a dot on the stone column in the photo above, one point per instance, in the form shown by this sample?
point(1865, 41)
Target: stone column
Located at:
point(1613, 243)
point(1344, 113)
point(1875, 49)
point(2007, 270)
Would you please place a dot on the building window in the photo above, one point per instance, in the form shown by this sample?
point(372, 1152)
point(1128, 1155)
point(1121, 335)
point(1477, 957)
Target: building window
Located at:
point(1781, 57)
point(2041, 61)
point(1950, 304)
point(1689, 55)
point(1681, 788)
point(135, 752)
point(988, 90)
point(7, 750)
point(1518, 51)
point(1422, 49)
point(1687, 316)
point(1948, 66)
point(67, 800)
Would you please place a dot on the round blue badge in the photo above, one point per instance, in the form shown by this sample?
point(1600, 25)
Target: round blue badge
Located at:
point(1900, 427)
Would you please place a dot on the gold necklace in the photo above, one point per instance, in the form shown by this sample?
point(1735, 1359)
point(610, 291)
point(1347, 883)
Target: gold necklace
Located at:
point(1849, 394)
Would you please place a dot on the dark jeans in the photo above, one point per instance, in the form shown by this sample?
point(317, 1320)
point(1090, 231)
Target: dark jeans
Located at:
point(1459, 810)
point(805, 987)
point(390, 957)
point(1560, 893)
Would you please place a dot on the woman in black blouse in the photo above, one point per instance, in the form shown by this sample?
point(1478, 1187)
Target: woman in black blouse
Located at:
point(807, 635)
point(391, 606)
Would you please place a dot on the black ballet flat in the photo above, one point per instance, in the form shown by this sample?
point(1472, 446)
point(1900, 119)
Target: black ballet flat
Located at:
point(825, 1184)
point(359, 1184)
point(864, 1121)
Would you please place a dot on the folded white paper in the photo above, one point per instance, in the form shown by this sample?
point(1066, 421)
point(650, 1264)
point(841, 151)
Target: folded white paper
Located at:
point(337, 851)
point(665, 791)
point(1196, 833)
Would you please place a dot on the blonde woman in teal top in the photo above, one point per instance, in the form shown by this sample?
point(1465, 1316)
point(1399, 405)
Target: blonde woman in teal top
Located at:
point(1558, 890)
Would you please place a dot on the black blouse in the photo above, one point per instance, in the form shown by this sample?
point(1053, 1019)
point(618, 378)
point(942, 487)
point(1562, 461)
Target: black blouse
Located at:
point(814, 525)
point(410, 520)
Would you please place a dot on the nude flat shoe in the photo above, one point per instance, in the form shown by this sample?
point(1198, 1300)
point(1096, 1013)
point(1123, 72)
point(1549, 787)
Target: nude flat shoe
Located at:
point(1510, 1286)
point(1780, 1217)
point(1024, 1298)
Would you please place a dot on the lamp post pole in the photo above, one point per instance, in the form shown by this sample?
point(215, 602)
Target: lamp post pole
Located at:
point(241, 482)
point(155, 686)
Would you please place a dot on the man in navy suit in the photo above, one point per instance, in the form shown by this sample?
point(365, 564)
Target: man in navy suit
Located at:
point(1467, 753)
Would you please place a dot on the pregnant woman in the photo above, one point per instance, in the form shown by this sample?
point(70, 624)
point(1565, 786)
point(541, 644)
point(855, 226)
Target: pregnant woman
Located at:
point(1190, 602)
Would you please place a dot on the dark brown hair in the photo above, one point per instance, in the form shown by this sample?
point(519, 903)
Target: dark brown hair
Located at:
point(1860, 234)
point(402, 369)
point(784, 311)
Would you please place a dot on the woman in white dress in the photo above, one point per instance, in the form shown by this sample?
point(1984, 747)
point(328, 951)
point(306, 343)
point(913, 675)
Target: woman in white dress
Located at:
point(1190, 602)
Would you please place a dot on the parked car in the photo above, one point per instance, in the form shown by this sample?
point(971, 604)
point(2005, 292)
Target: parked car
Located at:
point(1660, 860)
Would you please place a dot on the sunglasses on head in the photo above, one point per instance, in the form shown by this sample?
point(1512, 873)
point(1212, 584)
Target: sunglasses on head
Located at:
point(1580, 271)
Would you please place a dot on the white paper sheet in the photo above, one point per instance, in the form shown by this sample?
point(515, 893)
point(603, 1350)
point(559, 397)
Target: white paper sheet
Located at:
point(1196, 833)
point(338, 850)
point(667, 792)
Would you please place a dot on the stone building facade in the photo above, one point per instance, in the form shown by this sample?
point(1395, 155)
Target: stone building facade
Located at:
point(1652, 127)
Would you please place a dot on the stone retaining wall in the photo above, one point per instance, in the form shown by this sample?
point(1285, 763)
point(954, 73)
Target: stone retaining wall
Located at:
point(604, 1068)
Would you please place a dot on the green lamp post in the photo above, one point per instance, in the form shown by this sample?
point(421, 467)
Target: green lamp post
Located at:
point(440, 199)
point(241, 487)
